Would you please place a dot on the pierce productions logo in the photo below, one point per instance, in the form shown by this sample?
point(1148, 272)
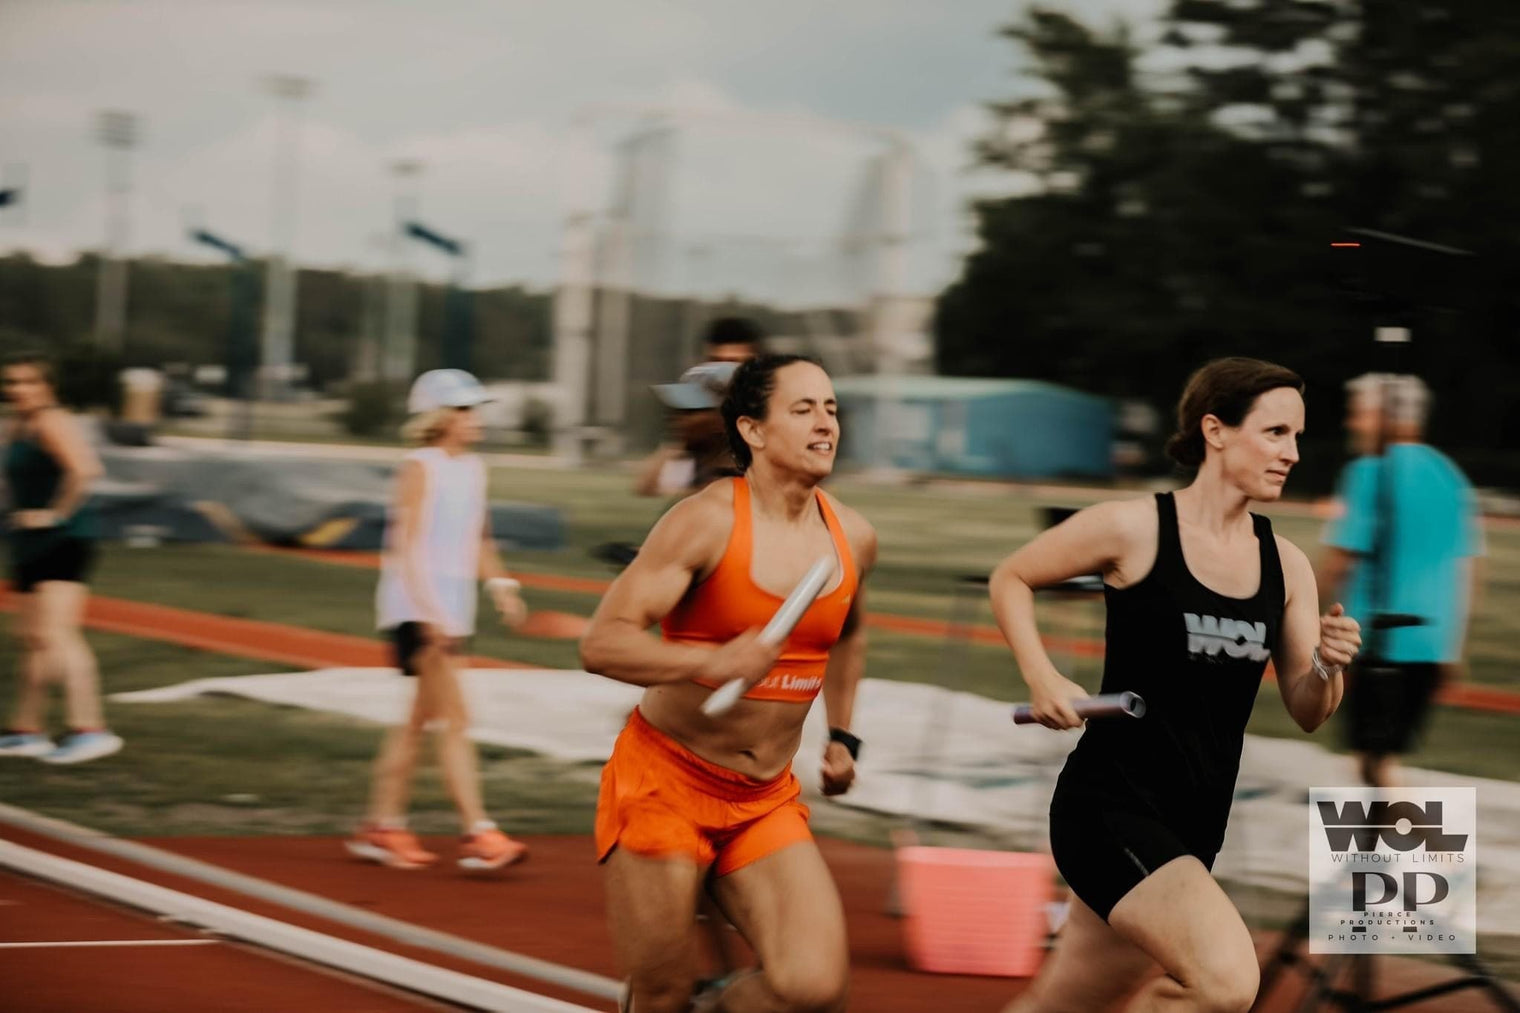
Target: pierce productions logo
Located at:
point(1393, 870)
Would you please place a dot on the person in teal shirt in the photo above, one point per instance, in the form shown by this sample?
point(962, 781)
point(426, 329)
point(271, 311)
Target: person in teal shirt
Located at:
point(1405, 537)
point(48, 466)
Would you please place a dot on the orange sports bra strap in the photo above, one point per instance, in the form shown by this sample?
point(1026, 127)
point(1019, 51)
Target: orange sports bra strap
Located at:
point(741, 541)
point(836, 531)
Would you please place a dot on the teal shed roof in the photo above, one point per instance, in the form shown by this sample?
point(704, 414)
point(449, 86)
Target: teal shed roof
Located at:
point(950, 388)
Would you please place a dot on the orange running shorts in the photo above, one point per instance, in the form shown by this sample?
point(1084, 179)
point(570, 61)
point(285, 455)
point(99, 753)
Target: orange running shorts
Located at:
point(658, 798)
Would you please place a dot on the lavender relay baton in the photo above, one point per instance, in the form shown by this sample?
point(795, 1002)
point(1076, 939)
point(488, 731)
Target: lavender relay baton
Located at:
point(1110, 705)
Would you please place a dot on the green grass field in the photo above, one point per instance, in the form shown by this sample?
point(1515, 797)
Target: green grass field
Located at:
point(189, 766)
point(229, 766)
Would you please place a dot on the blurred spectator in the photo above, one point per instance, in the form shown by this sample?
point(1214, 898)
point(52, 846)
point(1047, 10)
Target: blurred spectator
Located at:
point(732, 339)
point(49, 466)
point(700, 453)
point(1405, 538)
point(697, 451)
point(438, 543)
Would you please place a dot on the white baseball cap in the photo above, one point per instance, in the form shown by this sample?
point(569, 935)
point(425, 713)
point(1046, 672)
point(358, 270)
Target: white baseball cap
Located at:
point(445, 388)
point(701, 387)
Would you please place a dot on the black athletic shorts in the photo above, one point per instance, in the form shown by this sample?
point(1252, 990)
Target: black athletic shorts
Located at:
point(1387, 704)
point(1105, 848)
point(407, 643)
point(68, 559)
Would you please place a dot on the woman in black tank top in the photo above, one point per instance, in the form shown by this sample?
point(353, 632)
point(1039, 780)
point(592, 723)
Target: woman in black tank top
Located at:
point(48, 467)
point(1200, 595)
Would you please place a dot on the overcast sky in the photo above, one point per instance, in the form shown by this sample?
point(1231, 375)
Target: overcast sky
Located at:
point(483, 93)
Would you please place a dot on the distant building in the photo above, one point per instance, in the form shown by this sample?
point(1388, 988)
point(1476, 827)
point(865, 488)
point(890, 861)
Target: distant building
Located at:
point(973, 426)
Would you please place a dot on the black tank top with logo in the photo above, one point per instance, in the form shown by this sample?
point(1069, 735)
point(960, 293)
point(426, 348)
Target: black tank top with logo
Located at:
point(1197, 657)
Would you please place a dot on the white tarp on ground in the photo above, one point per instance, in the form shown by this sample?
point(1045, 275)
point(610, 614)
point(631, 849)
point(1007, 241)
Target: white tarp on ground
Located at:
point(929, 754)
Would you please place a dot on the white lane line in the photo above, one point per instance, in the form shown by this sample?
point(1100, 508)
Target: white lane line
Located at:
point(110, 942)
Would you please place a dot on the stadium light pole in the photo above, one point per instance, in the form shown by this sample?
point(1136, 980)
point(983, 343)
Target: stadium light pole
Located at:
point(889, 324)
point(457, 307)
point(242, 353)
point(641, 174)
point(398, 353)
point(117, 131)
point(367, 364)
point(278, 340)
point(574, 296)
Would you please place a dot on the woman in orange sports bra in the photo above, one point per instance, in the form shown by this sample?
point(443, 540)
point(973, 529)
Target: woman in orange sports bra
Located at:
point(685, 796)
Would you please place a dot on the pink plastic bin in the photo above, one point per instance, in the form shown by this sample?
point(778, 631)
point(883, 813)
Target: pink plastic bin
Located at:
point(975, 912)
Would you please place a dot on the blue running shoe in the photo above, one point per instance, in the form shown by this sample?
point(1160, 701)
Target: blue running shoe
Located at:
point(81, 747)
point(25, 744)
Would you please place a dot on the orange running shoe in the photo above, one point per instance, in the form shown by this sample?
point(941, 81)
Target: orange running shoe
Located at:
point(396, 847)
point(490, 849)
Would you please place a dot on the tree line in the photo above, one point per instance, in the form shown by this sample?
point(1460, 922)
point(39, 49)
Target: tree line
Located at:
point(1185, 190)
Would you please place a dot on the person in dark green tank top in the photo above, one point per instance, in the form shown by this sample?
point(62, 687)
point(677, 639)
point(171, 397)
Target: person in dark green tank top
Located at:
point(50, 531)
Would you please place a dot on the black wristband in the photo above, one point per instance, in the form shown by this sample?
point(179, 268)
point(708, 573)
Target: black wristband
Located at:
point(846, 740)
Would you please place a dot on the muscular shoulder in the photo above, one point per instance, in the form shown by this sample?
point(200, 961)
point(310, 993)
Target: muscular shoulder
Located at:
point(696, 530)
point(858, 531)
point(713, 502)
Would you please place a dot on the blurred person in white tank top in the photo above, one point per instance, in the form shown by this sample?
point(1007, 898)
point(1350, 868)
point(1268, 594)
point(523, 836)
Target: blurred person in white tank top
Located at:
point(438, 546)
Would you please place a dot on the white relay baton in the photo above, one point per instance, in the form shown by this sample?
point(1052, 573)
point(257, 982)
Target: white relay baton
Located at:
point(778, 629)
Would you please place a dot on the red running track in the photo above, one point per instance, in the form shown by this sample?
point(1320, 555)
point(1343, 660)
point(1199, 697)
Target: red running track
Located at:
point(156, 968)
point(549, 908)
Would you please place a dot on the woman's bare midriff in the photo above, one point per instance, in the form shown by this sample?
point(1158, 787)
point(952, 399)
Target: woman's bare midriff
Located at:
point(758, 738)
